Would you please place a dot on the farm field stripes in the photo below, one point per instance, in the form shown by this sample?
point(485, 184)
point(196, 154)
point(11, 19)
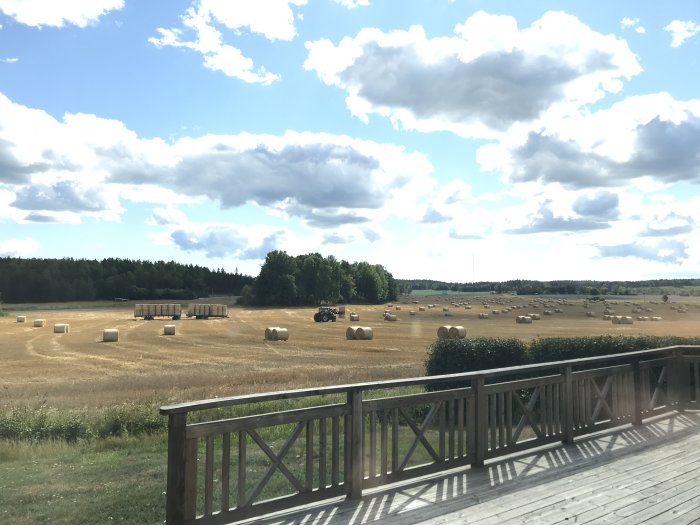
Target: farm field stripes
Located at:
point(229, 356)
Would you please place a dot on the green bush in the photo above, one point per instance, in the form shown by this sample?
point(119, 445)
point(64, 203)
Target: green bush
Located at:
point(452, 356)
point(565, 348)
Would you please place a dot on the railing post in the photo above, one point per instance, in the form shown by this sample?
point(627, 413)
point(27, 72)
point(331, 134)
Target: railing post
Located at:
point(480, 421)
point(175, 495)
point(637, 382)
point(568, 406)
point(680, 380)
point(356, 453)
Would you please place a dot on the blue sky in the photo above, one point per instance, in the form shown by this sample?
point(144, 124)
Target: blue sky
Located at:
point(451, 140)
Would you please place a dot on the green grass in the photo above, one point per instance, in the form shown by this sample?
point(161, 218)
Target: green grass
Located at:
point(115, 480)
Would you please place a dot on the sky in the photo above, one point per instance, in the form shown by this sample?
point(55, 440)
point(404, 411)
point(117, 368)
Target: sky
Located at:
point(454, 140)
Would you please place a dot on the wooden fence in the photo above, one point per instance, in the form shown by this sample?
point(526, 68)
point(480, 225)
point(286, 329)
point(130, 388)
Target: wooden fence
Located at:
point(245, 456)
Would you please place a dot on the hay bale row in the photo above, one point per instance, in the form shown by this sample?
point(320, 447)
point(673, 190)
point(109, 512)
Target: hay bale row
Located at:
point(359, 333)
point(622, 319)
point(483, 316)
point(61, 328)
point(523, 319)
point(451, 332)
point(276, 333)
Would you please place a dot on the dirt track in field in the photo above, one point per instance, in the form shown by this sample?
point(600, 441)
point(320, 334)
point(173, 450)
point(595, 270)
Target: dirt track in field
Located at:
point(229, 356)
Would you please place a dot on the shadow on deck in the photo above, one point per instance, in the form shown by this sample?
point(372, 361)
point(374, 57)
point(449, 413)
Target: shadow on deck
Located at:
point(644, 474)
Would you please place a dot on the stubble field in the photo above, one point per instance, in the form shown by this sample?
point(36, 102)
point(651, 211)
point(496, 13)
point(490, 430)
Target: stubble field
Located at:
point(230, 356)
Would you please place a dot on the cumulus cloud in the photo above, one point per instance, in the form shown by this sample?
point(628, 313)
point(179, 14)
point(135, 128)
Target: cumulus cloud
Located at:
point(682, 30)
point(649, 136)
point(38, 13)
point(62, 196)
point(545, 221)
point(273, 19)
point(664, 251)
point(629, 23)
point(479, 82)
point(326, 180)
point(432, 216)
point(227, 240)
point(18, 247)
point(668, 226)
point(600, 205)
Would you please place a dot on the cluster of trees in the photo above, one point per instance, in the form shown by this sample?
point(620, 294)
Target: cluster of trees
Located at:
point(52, 280)
point(311, 279)
point(571, 287)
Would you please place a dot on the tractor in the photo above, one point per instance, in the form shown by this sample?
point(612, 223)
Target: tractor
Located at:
point(325, 314)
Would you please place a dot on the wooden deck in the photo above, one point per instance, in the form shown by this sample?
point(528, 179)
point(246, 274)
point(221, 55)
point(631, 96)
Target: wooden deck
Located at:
point(646, 474)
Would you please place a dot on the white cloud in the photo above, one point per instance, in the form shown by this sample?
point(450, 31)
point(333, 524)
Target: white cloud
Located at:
point(38, 13)
point(273, 19)
point(681, 31)
point(628, 23)
point(647, 140)
point(480, 82)
point(84, 165)
point(351, 4)
point(18, 247)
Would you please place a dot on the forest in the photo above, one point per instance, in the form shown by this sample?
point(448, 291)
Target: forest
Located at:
point(59, 280)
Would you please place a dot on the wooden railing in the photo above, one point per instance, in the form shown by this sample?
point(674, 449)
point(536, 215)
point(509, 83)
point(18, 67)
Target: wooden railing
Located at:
point(224, 466)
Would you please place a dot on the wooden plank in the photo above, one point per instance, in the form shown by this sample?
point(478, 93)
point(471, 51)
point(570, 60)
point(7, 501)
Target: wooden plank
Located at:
point(226, 472)
point(209, 477)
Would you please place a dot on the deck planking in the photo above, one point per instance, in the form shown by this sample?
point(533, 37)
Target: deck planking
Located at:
point(647, 474)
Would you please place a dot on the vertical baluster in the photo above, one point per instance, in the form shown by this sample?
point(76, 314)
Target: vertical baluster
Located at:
point(372, 444)
point(450, 407)
point(191, 481)
point(242, 468)
point(335, 452)
point(322, 453)
point(557, 409)
point(501, 420)
point(209, 477)
point(308, 483)
point(395, 440)
point(460, 427)
point(441, 431)
point(225, 471)
point(492, 421)
point(384, 443)
point(696, 381)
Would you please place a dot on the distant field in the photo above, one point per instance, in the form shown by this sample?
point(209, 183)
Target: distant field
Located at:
point(222, 357)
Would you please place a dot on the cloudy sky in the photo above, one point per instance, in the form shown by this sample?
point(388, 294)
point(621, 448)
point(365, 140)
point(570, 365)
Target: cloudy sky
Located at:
point(455, 140)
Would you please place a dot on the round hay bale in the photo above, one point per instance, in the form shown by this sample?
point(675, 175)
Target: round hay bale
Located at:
point(656, 318)
point(590, 314)
point(354, 317)
point(535, 317)
point(412, 312)
point(616, 319)
point(398, 307)
point(364, 333)
point(443, 332)
point(421, 308)
point(39, 322)
point(268, 332)
point(483, 316)
point(280, 334)
point(523, 319)
point(390, 317)
point(458, 332)
point(21, 318)
point(626, 320)
point(169, 329)
point(110, 335)
point(61, 328)
point(351, 333)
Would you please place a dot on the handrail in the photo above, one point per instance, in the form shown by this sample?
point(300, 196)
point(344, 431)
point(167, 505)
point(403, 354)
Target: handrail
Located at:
point(222, 402)
point(362, 443)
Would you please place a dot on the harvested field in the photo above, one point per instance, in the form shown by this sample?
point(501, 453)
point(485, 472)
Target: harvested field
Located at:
point(229, 356)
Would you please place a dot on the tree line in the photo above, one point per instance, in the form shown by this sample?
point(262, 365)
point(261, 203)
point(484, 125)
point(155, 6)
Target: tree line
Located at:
point(569, 287)
point(59, 280)
point(312, 279)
